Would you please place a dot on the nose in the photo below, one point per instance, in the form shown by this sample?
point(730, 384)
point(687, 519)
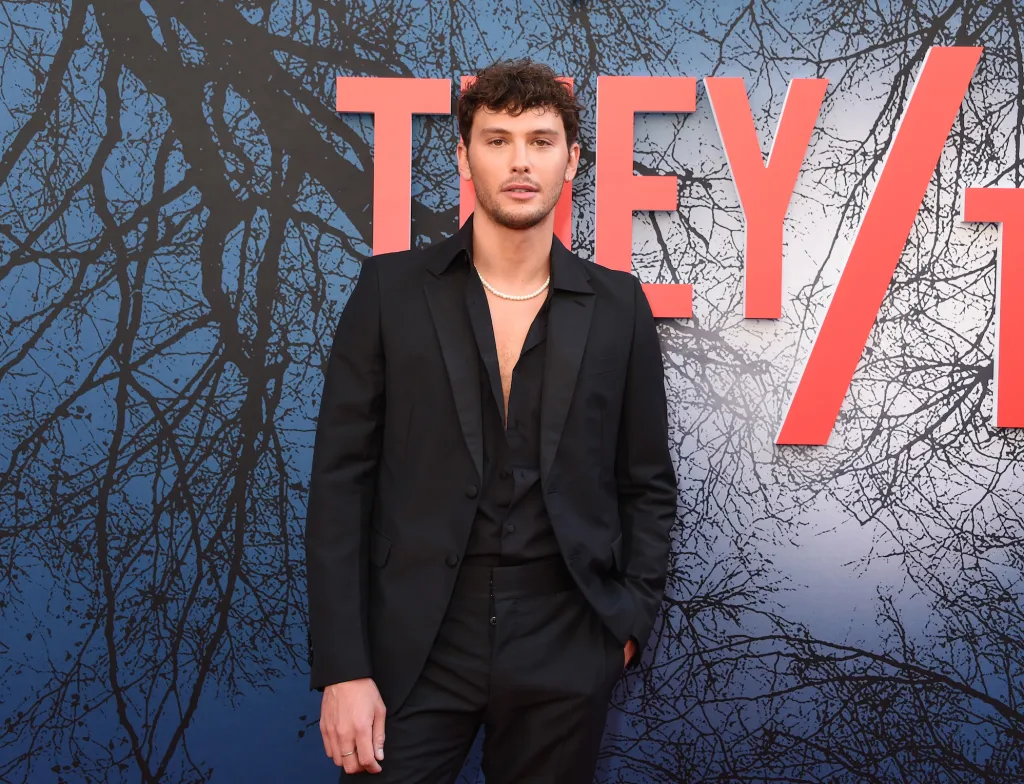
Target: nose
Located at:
point(521, 159)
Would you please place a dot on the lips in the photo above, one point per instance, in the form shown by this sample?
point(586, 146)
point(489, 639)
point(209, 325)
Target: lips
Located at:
point(519, 189)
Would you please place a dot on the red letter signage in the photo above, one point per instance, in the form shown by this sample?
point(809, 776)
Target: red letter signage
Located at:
point(764, 189)
point(392, 102)
point(922, 132)
point(620, 192)
point(1005, 206)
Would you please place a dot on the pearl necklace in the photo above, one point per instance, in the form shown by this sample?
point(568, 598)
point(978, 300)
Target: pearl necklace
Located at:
point(515, 297)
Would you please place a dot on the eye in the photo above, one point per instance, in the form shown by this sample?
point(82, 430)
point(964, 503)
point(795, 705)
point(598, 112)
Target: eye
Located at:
point(496, 141)
point(544, 142)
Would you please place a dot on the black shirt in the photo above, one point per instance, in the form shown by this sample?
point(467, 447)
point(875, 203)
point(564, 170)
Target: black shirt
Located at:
point(511, 524)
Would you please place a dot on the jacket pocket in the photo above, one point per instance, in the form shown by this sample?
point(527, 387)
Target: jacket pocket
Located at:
point(603, 365)
point(380, 546)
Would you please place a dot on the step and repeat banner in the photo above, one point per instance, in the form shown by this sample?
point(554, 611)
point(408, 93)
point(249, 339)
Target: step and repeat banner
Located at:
point(818, 195)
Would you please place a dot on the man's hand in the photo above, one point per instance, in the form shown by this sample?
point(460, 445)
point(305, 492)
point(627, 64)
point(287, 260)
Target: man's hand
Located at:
point(629, 651)
point(352, 725)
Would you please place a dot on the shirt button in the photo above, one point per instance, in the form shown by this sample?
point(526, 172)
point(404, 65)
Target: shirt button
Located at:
point(451, 559)
point(510, 528)
point(494, 620)
point(470, 491)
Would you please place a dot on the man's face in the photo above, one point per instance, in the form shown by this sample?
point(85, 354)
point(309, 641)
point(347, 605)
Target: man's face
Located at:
point(518, 165)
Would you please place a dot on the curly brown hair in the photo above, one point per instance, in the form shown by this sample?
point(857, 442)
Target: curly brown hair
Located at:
point(514, 86)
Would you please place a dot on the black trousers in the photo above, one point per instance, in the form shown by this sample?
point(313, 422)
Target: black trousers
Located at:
point(521, 652)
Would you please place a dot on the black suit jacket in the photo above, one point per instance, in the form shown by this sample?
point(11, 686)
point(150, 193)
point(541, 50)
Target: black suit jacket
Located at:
point(398, 460)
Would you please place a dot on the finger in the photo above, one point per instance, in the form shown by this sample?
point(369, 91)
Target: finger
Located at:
point(329, 744)
point(351, 764)
point(364, 750)
point(343, 742)
point(329, 732)
point(378, 731)
point(324, 738)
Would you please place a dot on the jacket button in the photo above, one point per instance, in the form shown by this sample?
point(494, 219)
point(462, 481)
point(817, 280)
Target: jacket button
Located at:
point(470, 491)
point(451, 559)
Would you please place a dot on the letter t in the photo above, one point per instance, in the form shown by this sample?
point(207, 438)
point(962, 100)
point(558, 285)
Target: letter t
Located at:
point(392, 102)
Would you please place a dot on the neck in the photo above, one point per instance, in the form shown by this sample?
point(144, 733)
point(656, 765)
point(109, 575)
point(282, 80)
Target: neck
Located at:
point(519, 259)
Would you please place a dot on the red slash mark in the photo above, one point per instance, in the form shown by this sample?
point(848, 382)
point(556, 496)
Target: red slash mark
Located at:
point(920, 137)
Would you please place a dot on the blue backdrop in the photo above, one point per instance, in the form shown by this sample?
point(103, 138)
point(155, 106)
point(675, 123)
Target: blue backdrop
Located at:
point(181, 219)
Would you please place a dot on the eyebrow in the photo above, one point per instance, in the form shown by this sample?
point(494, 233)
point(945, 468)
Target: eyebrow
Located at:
point(534, 132)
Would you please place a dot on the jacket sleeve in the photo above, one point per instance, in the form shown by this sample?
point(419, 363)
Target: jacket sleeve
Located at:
point(342, 488)
point(644, 473)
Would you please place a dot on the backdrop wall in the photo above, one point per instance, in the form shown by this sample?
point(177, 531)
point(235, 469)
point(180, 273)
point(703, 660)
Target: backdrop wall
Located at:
point(181, 218)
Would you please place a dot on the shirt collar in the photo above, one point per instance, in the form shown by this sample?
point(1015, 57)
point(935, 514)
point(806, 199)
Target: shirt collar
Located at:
point(568, 272)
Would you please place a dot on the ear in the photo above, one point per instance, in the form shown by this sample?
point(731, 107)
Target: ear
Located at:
point(573, 164)
point(462, 151)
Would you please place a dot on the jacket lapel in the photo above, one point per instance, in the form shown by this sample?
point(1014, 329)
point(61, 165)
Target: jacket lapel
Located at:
point(572, 305)
point(447, 301)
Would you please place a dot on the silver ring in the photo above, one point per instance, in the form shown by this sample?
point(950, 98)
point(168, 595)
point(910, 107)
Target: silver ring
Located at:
point(348, 753)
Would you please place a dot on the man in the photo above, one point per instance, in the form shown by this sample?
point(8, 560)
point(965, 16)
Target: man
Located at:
point(492, 492)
